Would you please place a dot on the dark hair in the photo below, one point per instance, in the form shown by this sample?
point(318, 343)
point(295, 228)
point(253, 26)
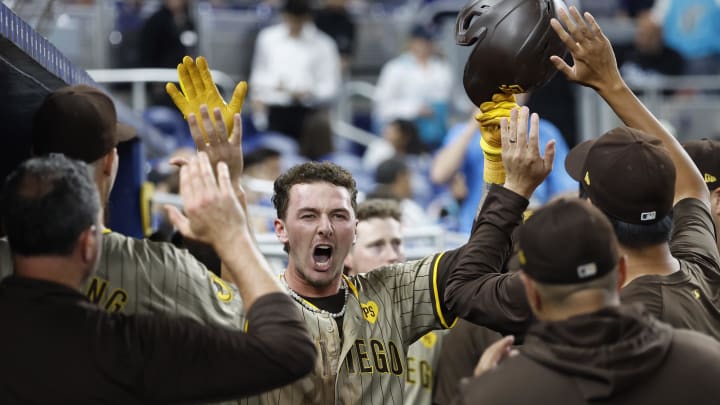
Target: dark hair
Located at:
point(379, 208)
point(641, 236)
point(409, 132)
point(297, 7)
point(311, 172)
point(46, 203)
point(259, 155)
point(389, 170)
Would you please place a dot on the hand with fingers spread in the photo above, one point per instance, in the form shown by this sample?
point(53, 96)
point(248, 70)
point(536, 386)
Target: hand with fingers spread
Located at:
point(211, 136)
point(214, 212)
point(594, 63)
point(525, 168)
point(495, 354)
point(198, 88)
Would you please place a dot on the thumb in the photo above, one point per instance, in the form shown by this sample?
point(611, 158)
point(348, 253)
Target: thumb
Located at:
point(238, 98)
point(177, 98)
point(562, 66)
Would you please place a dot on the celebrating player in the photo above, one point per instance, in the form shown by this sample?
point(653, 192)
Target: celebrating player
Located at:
point(135, 276)
point(363, 324)
point(56, 347)
point(636, 176)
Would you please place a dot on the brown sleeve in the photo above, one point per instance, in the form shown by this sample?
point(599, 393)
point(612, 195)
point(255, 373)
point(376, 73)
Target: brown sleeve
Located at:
point(693, 235)
point(475, 289)
point(179, 359)
point(462, 347)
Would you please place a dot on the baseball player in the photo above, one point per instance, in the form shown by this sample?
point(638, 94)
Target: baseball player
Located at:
point(362, 325)
point(379, 242)
point(134, 276)
point(636, 179)
point(706, 155)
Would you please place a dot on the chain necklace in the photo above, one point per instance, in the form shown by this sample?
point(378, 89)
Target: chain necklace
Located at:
point(300, 300)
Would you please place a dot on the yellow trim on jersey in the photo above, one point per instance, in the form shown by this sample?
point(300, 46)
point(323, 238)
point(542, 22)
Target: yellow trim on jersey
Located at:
point(436, 294)
point(352, 287)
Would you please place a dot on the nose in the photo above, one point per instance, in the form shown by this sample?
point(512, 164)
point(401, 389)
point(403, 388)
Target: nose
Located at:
point(325, 226)
point(390, 256)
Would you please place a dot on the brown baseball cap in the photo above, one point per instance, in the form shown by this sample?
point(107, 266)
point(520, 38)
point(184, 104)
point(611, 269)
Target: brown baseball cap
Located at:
point(626, 173)
point(706, 155)
point(568, 241)
point(78, 121)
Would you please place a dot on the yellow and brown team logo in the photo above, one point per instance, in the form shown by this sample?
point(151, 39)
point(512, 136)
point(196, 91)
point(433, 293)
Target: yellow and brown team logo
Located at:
point(429, 339)
point(370, 311)
point(709, 178)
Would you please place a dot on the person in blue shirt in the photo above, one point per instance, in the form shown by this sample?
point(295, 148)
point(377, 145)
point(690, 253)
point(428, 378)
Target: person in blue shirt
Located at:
point(461, 152)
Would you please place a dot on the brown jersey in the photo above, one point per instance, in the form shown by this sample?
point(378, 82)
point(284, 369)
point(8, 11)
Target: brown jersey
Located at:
point(690, 297)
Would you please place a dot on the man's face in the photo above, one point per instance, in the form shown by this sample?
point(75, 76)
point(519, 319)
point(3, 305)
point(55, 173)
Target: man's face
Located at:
point(379, 242)
point(319, 229)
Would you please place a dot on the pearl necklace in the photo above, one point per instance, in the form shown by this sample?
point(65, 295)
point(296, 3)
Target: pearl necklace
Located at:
point(300, 300)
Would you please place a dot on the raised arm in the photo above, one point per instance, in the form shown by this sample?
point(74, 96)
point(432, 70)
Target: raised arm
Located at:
point(594, 66)
point(449, 159)
point(475, 288)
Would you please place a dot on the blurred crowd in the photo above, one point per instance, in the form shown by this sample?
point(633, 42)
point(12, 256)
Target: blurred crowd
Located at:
point(426, 151)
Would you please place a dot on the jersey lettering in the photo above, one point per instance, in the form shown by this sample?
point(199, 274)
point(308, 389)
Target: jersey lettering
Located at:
point(376, 356)
point(97, 292)
point(421, 374)
point(224, 293)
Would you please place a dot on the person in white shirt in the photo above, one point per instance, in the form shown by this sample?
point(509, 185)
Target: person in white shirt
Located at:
point(295, 72)
point(416, 86)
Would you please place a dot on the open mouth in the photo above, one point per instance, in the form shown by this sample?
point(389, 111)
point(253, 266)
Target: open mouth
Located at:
point(322, 254)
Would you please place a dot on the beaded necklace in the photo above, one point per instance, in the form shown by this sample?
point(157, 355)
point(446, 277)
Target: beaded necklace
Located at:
point(300, 300)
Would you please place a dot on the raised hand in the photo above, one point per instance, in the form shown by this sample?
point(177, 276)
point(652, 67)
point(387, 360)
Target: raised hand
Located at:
point(198, 88)
point(214, 210)
point(495, 354)
point(594, 63)
point(525, 168)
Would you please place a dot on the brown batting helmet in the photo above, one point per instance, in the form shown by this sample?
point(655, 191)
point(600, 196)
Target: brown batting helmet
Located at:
point(513, 43)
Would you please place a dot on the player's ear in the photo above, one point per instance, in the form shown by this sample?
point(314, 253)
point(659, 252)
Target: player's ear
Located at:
point(108, 161)
point(622, 272)
point(280, 230)
point(531, 293)
point(715, 201)
point(89, 243)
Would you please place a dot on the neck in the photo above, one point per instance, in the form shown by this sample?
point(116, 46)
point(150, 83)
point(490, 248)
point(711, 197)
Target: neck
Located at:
point(54, 269)
point(653, 260)
point(580, 303)
point(300, 284)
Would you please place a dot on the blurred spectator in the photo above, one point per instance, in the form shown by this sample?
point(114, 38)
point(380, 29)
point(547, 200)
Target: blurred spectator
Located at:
point(416, 86)
point(295, 74)
point(692, 28)
point(650, 54)
point(167, 35)
point(165, 38)
point(394, 182)
point(400, 137)
point(334, 20)
point(461, 152)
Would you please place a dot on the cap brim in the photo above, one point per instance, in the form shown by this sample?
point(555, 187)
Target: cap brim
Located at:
point(125, 132)
point(575, 160)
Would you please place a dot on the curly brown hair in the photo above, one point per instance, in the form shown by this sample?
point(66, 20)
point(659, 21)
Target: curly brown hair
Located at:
point(311, 172)
point(379, 208)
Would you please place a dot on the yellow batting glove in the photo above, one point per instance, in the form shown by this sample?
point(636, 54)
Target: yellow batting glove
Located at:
point(489, 119)
point(198, 88)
